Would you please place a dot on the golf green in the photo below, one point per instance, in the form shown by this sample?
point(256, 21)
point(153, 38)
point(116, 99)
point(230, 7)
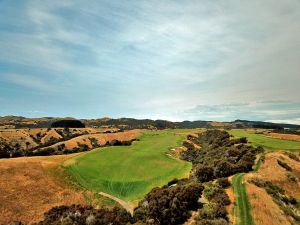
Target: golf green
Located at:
point(129, 172)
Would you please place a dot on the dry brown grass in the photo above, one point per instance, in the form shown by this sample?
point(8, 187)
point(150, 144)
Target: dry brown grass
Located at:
point(229, 208)
point(29, 187)
point(271, 171)
point(49, 135)
point(291, 137)
point(102, 139)
point(264, 210)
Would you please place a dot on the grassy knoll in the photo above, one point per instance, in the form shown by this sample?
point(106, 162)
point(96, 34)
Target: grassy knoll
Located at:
point(266, 141)
point(129, 172)
point(242, 208)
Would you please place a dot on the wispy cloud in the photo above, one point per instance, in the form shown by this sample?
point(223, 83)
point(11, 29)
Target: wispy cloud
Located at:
point(31, 83)
point(160, 57)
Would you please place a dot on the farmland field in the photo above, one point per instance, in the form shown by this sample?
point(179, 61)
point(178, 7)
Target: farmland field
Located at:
point(129, 172)
point(266, 141)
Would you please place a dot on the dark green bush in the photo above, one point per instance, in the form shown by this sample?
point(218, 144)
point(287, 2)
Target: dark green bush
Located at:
point(223, 182)
point(219, 221)
point(213, 211)
point(292, 156)
point(203, 173)
point(284, 165)
point(167, 206)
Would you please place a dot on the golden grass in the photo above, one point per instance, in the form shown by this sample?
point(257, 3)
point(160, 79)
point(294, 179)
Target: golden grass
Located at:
point(264, 210)
point(271, 171)
point(230, 207)
point(290, 137)
point(29, 188)
point(102, 139)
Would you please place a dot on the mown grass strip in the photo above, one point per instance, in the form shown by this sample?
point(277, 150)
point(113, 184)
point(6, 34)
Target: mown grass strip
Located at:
point(242, 208)
point(259, 162)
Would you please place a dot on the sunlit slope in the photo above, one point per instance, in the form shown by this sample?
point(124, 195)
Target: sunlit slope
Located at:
point(129, 172)
point(266, 141)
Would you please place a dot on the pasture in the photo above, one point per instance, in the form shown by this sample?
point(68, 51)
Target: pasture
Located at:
point(130, 172)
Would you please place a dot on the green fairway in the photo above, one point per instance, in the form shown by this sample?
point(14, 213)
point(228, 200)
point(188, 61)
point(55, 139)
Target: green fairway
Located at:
point(129, 172)
point(265, 141)
point(242, 208)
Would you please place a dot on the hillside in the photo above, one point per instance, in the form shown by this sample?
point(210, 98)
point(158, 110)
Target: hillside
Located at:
point(275, 194)
point(53, 141)
point(130, 123)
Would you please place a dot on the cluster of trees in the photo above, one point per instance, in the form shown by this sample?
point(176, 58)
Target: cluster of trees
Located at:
point(68, 124)
point(220, 156)
point(85, 215)
point(169, 204)
point(287, 131)
point(8, 150)
point(214, 212)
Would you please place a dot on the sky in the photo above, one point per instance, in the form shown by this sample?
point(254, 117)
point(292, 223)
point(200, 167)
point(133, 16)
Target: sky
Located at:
point(175, 60)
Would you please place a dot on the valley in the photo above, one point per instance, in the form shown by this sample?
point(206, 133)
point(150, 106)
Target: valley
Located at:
point(111, 172)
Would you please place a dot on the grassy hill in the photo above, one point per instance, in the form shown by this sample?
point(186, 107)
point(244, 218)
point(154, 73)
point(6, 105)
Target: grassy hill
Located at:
point(129, 172)
point(267, 142)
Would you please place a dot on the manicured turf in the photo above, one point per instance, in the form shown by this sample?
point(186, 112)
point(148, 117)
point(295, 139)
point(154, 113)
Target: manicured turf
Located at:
point(265, 141)
point(242, 208)
point(129, 172)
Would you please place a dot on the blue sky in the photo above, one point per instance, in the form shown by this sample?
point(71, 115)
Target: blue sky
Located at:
point(177, 60)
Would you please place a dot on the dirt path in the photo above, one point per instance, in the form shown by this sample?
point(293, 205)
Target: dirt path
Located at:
point(124, 204)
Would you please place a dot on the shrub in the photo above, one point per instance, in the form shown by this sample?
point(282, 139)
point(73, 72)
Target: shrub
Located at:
point(219, 221)
point(284, 165)
point(292, 178)
point(203, 173)
point(94, 142)
point(215, 193)
point(212, 211)
point(166, 206)
point(292, 156)
point(174, 181)
point(79, 214)
point(223, 182)
point(224, 169)
point(257, 182)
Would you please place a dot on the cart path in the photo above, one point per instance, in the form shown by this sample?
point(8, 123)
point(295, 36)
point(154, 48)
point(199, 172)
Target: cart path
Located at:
point(124, 204)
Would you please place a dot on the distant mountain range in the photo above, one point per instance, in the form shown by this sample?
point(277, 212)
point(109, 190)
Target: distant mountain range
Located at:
point(130, 123)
